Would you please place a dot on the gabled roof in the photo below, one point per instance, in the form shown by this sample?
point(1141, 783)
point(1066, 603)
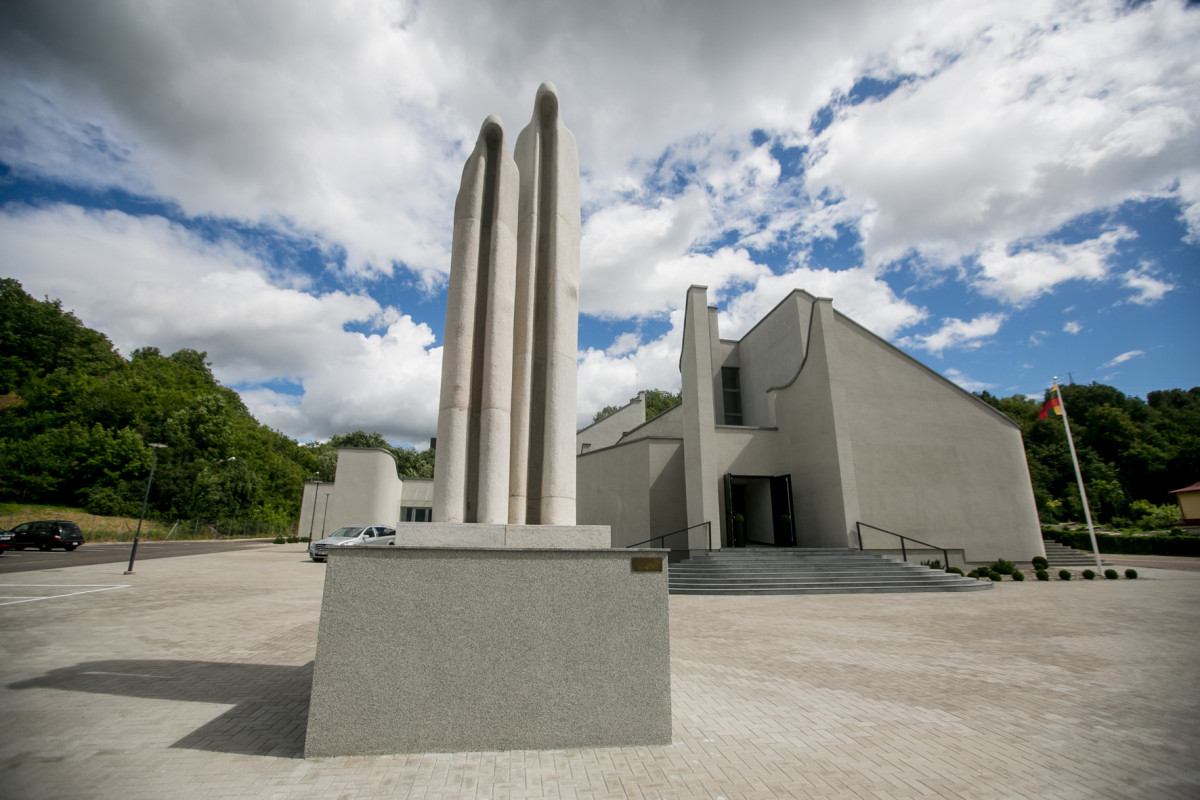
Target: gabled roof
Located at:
point(1195, 487)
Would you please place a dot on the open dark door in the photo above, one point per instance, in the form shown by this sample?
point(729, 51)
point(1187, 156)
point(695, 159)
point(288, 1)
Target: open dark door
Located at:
point(781, 511)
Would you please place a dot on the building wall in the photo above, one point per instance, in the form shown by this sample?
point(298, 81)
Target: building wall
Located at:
point(367, 490)
point(314, 504)
point(609, 430)
point(930, 460)
point(636, 488)
point(770, 355)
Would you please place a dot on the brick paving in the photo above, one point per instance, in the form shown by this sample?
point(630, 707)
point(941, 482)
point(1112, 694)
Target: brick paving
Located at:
point(191, 679)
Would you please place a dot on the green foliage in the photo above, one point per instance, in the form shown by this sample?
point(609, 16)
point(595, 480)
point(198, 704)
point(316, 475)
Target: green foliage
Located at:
point(657, 401)
point(954, 570)
point(77, 420)
point(1042, 575)
point(994, 576)
point(410, 463)
point(1131, 573)
point(934, 564)
point(1017, 575)
point(1003, 566)
point(1111, 574)
point(1132, 453)
point(1154, 545)
point(1089, 575)
point(1040, 562)
point(1064, 574)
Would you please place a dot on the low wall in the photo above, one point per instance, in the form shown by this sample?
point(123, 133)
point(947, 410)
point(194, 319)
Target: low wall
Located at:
point(464, 649)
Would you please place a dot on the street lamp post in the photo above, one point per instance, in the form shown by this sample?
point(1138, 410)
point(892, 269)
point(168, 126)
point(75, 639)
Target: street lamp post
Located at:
point(154, 448)
point(316, 494)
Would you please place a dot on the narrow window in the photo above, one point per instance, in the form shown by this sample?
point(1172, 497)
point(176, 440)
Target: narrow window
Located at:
point(731, 388)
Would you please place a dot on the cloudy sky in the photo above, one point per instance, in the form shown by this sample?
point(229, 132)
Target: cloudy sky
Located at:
point(1007, 191)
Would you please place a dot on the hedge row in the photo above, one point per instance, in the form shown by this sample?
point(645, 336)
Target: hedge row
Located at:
point(1158, 545)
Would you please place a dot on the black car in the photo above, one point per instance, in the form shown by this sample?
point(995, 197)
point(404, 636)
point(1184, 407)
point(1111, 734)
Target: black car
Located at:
point(46, 535)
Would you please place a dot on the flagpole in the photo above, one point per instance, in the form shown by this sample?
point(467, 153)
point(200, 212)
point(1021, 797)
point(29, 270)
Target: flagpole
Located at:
point(1087, 513)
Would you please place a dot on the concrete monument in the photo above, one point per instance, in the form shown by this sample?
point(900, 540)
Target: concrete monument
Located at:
point(501, 624)
point(506, 420)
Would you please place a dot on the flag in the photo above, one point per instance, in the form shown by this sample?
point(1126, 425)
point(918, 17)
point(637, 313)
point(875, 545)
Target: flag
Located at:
point(1052, 403)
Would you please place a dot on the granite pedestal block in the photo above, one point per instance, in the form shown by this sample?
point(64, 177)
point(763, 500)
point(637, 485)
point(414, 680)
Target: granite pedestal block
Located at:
point(471, 649)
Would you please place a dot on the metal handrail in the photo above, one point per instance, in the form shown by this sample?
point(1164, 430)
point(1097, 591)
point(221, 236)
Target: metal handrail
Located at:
point(903, 550)
point(705, 524)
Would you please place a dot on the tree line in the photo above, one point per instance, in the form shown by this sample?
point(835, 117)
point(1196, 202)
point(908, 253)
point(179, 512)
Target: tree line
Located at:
point(77, 419)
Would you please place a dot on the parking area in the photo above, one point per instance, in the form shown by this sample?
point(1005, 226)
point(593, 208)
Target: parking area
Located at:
point(191, 679)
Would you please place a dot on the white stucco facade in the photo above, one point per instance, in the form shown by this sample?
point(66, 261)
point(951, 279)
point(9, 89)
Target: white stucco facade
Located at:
point(804, 427)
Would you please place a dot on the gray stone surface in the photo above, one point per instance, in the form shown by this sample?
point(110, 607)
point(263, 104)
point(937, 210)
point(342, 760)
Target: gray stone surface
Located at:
point(436, 650)
point(193, 681)
point(466, 534)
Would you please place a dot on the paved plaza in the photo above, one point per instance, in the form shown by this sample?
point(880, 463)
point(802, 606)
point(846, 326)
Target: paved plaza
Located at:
point(191, 678)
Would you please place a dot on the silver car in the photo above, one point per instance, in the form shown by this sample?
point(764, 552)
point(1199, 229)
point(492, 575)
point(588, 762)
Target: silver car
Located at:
point(350, 536)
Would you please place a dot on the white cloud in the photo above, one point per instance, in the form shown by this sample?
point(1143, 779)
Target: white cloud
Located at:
point(612, 377)
point(1148, 289)
point(1072, 327)
point(1121, 359)
point(1022, 276)
point(955, 334)
point(857, 293)
point(965, 382)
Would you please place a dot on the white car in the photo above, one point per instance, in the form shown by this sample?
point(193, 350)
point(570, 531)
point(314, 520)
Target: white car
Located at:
point(350, 536)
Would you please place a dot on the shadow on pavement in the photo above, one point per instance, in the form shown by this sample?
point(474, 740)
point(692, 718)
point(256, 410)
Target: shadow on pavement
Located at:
point(270, 713)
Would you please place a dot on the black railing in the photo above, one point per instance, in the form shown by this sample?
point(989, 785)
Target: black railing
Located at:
point(903, 549)
point(682, 531)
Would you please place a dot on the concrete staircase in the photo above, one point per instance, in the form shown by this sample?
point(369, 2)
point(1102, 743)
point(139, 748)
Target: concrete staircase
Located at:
point(1060, 556)
point(807, 570)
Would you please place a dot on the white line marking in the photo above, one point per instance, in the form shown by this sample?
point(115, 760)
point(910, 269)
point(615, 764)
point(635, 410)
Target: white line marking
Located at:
point(13, 602)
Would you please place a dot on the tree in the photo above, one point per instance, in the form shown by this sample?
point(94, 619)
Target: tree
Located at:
point(657, 401)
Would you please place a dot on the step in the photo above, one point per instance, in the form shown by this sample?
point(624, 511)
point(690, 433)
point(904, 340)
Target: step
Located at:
point(765, 570)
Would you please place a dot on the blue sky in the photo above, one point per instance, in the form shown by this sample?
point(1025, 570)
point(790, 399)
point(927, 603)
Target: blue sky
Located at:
point(1008, 192)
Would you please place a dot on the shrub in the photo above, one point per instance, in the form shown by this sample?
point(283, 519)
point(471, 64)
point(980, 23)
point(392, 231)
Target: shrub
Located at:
point(1017, 575)
point(1040, 563)
point(1064, 574)
point(1042, 575)
point(1088, 575)
point(995, 576)
point(1003, 566)
point(1111, 574)
point(279, 540)
point(1131, 573)
point(973, 573)
point(954, 570)
point(935, 564)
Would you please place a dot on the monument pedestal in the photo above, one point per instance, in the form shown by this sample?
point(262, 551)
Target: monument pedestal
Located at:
point(450, 649)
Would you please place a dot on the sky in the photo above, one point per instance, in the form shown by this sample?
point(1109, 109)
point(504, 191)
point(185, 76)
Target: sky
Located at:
point(1006, 191)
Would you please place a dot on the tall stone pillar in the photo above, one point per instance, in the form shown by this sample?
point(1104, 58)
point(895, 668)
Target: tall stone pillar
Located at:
point(546, 320)
point(474, 414)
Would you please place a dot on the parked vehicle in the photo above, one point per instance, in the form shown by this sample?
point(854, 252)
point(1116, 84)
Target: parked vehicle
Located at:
point(350, 536)
point(6, 539)
point(47, 534)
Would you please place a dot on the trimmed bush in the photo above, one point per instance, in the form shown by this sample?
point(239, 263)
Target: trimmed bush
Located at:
point(954, 570)
point(279, 540)
point(995, 576)
point(1017, 575)
point(1064, 574)
point(935, 564)
point(1040, 563)
point(1003, 566)
point(1111, 574)
point(1042, 575)
point(1088, 575)
point(1131, 573)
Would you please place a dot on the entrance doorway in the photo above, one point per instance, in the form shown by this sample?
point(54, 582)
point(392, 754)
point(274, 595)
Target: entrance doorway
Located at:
point(758, 511)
